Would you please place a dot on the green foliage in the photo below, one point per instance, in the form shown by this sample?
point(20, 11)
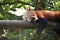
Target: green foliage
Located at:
point(44, 4)
point(28, 1)
point(26, 34)
point(57, 5)
point(8, 0)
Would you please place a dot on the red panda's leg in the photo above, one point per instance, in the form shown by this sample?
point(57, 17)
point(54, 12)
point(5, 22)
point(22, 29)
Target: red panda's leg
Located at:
point(42, 26)
point(43, 21)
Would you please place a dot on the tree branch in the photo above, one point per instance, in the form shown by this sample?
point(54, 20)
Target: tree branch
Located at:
point(21, 24)
point(17, 24)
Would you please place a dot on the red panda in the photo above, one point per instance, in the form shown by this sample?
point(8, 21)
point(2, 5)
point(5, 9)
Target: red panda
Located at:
point(43, 16)
point(53, 16)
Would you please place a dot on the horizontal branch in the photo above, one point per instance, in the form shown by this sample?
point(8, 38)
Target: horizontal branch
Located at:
point(21, 24)
point(17, 24)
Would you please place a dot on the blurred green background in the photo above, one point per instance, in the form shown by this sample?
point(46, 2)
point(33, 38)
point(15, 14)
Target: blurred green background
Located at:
point(9, 10)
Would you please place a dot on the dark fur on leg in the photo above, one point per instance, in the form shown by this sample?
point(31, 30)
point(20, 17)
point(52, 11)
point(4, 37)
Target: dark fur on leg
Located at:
point(43, 25)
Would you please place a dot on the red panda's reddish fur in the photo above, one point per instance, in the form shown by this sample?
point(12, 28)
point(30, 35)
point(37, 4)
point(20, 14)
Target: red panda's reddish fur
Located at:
point(53, 16)
point(45, 16)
